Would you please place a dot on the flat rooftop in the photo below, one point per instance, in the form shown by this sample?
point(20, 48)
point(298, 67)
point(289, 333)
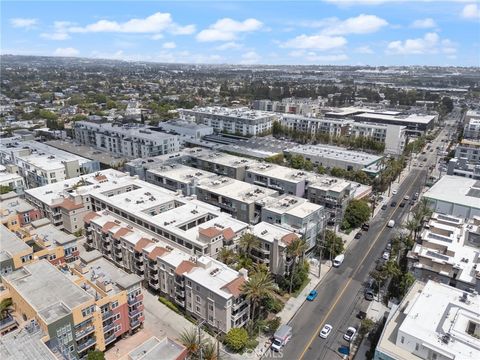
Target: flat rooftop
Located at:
point(181, 173)
point(412, 118)
point(12, 206)
point(456, 190)
point(50, 292)
point(126, 130)
point(52, 234)
point(25, 345)
point(335, 153)
point(223, 158)
point(290, 205)
point(269, 232)
point(155, 349)
point(11, 243)
point(279, 172)
point(241, 112)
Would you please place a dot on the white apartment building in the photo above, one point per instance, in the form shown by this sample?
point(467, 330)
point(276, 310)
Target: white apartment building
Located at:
point(433, 321)
point(186, 130)
point(12, 180)
point(471, 129)
point(242, 121)
point(206, 288)
point(172, 216)
point(327, 126)
point(470, 150)
point(393, 136)
point(449, 252)
point(132, 140)
point(299, 106)
point(40, 164)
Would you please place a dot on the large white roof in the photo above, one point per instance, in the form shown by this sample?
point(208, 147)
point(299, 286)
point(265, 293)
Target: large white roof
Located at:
point(456, 190)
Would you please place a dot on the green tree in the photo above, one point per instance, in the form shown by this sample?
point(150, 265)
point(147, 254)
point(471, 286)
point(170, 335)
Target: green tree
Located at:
point(356, 213)
point(295, 250)
point(209, 351)
point(236, 339)
point(333, 245)
point(191, 340)
point(5, 189)
point(95, 355)
point(227, 256)
point(247, 242)
point(258, 287)
point(297, 162)
point(47, 115)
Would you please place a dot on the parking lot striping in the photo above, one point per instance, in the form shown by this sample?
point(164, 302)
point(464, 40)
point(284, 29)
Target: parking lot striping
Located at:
point(351, 278)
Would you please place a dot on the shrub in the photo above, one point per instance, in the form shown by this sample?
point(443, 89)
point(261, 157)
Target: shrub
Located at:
point(273, 325)
point(273, 305)
point(95, 355)
point(251, 344)
point(169, 304)
point(236, 339)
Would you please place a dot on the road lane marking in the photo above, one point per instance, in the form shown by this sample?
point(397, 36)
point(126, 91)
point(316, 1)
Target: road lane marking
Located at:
point(339, 296)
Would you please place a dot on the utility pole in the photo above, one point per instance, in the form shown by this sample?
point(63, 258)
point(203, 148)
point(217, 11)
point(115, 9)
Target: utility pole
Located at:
point(199, 327)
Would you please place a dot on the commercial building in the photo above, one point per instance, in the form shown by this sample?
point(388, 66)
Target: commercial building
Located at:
point(454, 195)
point(41, 164)
point(169, 215)
point(155, 349)
point(334, 157)
point(131, 141)
point(448, 252)
point(206, 288)
point(433, 321)
point(186, 130)
point(88, 308)
point(241, 121)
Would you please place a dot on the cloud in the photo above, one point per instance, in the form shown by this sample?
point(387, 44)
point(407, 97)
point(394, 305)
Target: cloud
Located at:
point(361, 24)
point(66, 52)
point(471, 11)
point(155, 23)
point(23, 23)
point(250, 57)
point(157, 37)
point(364, 50)
point(169, 45)
point(59, 31)
point(313, 57)
point(55, 36)
point(423, 23)
point(318, 42)
point(227, 29)
point(229, 46)
point(429, 44)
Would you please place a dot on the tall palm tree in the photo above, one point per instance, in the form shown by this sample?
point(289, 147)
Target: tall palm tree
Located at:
point(209, 351)
point(190, 339)
point(247, 242)
point(227, 256)
point(295, 249)
point(258, 287)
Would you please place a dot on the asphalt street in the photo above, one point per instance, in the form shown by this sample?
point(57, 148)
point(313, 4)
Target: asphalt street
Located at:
point(341, 292)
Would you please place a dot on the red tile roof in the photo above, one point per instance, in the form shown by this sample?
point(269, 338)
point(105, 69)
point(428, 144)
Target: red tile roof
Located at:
point(107, 226)
point(142, 243)
point(185, 266)
point(287, 239)
point(228, 233)
point(209, 232)
point(101, 178)
point(70, 205)
point(156, 252)
point(90, 216)
point(123, 231)
point(234, 287)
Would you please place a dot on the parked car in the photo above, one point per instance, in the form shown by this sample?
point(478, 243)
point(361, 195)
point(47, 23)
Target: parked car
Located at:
point(312, 295)
point(386, 255)
point(384, 206)
point(394, 192)
point(402, 204)
point(406, 197)
point(393, 204)
point(350, 333)
point(388, 247)
point(358, 235)
point(361, 315)
point(369, 295)
point(365, 227)
point(326, 330)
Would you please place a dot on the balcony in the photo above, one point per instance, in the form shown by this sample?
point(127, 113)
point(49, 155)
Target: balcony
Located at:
point(110, 339)
point(140, 267)
point(107, 315)
point(136, 299)
point(133, 312)
point(135, 323)
point(179, 280)
point(108, 327)
point(84, 332)
point(84, 346)
point(152, 265)
point(180, 292)
point(154, 284)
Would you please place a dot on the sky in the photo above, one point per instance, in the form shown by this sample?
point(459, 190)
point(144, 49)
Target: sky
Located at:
point(338, 32)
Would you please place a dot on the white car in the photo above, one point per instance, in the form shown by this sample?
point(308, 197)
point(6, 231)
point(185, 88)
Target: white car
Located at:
point(327, 329)
point(394, 192)
point(386, 256)
point(351, 331)
point(406, 198)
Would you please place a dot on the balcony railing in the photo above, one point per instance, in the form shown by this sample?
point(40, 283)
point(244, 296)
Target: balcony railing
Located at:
point(108, 327)
point(134, 323)
point(107, 315)
point(84, 332)
point(84, 346)
point(110, 339)
point(136, 299)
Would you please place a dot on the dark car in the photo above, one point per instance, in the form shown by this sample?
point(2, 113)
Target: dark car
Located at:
point(365, 227)
point(369, 294)
point(358, 235)
point(393, 204)
point(361, 315)
point(402, 204)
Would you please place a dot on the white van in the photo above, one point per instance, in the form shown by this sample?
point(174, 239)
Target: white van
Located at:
point(391, 223)
point(338, 260)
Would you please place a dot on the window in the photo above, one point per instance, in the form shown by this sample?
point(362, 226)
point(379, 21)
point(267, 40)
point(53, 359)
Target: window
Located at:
point(402, 339)
point(114, 304)
point(118, 328)
point(416, 347)
point(197, 309)
point(116, 317)
point(197, 299)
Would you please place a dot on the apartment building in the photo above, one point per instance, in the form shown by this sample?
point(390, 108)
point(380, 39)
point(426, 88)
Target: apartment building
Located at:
point(13, 180)
point(16, 212)
point(461, 167)
point(186, 130)
point(272, 250)
point(469, 150)
point(25, 343)
point(220, 163)
point(131, 141)
point(207, 289)
point(87, 308)
point(332, 156)
point(14, 253)
point(242, 121)
point(433, 321)
point(299, 106)
point(40, 164)
point(327, 126)
point(448, 252)
point(471, 128)
point(295, 214)
point(393, 136)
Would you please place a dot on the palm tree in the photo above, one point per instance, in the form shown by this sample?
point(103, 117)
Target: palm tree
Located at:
point(227, 256)
point(247, 242)
point(5, 308)
point(258, 287)
point(295, 249)
point(412, 226)
point(209, 351)
point(190, 339)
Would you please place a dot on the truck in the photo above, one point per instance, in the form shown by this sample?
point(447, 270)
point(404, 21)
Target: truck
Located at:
point(281, 337)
